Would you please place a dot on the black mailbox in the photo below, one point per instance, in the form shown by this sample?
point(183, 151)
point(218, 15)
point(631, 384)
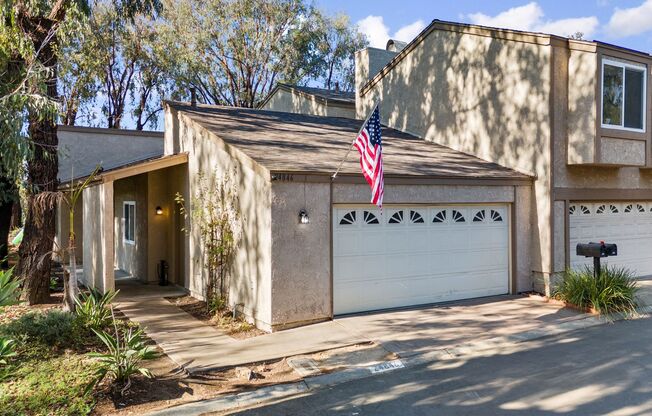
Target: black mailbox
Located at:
point(600, 249)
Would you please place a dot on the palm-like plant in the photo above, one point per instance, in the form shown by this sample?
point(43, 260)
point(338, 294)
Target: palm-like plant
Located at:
point(123, 358)
point(93, 308)
point(9, 286)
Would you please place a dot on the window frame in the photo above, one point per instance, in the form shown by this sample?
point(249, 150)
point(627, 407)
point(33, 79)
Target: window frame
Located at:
point(132, 219)
point(624, 66)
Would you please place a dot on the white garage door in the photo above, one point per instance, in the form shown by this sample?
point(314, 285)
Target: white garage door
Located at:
point(629, 225)
point(418, 255)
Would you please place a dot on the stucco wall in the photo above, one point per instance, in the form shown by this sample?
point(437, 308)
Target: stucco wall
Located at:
point(251, 275)
point(98, 236)
point(62, 233)
point(131, 257)
point(165, 233)
point(484, 95)
point(582, 69)
point(301, 289)
point(289, 102)
point(81, 149)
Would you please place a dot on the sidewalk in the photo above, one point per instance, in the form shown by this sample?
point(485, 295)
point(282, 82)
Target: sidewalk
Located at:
point(199, 347)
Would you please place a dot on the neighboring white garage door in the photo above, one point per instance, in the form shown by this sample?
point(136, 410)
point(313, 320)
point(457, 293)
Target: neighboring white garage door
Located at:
point(418, 255)
point(629, 225)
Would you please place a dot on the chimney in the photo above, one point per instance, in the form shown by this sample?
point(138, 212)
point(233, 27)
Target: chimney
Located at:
point(193, 97)
point(368, 63)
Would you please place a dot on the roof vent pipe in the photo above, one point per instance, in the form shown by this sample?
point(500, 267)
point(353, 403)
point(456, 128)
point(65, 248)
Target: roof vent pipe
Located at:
point(193, 98)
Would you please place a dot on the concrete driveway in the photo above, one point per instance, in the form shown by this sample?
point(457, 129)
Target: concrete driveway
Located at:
point(415, 331)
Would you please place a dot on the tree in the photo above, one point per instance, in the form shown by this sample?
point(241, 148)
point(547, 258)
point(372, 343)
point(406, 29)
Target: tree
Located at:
point(337, 41)
point(234, 52)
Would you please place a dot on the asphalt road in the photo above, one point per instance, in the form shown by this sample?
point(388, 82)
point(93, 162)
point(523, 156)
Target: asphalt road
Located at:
point(600, 370)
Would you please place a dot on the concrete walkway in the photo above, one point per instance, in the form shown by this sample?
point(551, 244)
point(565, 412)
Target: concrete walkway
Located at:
point(199, 347)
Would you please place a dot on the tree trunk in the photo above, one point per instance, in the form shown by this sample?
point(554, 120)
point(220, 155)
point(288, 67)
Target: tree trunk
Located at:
point(5, 221)
point(36, 249)
point(16, 214)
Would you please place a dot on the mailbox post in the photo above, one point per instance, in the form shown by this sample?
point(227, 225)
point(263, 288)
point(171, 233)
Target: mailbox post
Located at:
point(597, 251)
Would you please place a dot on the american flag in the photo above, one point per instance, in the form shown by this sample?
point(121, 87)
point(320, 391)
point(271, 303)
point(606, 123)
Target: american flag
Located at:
point(370, 147)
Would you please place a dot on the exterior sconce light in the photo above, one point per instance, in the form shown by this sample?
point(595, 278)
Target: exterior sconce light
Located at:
point(159, 210)
point(303, 217)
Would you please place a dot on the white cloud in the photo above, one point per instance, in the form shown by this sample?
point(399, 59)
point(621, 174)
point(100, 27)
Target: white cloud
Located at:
point(530, 17)
point(409, 32)
point(377, 32)
point(632, 21)
point(374, 28)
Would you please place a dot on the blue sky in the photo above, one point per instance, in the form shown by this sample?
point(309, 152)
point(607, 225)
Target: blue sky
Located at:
point(623, 22)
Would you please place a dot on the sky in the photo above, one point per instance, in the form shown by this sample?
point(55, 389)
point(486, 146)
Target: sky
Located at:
point(623, 22)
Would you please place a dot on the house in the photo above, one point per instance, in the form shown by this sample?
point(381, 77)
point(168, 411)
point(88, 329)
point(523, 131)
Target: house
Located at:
point(450, 227)
point(503, 149)
point(80, 151)
point(310, 100)
point(573, 114)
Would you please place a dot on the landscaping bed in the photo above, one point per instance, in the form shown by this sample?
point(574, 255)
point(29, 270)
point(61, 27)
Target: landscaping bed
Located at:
point(222, 319)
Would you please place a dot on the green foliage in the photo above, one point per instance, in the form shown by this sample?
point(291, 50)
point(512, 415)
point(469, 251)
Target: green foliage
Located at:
point(124, 356)
point(216, 214)
point(614, 290)
point(9, 287)
point(53, 328)
point(93, 308)
point(7, 350)
point(42, 383)
point(216, 304)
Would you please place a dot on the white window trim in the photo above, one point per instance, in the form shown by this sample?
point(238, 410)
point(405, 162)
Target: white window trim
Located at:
point(623, 65)
point(124, 221)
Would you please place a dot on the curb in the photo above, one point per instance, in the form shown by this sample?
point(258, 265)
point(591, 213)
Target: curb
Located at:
point(487, 347)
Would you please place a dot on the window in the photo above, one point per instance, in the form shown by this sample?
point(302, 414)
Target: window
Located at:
point(129, 216)
point(623, 95)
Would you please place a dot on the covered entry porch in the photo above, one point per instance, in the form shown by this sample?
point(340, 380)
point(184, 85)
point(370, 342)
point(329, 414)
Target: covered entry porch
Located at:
point(132, 226)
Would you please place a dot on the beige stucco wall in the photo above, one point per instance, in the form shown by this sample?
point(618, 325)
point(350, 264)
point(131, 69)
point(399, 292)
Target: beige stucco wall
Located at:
point(301, 289)
point(296, 102)
point(251, 275)
point(131, 257)
point(164, 231)
point(483, 95)
point(582, 69)
point(98, 236)
point(62, 233)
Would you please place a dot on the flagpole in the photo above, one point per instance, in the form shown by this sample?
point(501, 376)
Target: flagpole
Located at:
point(354, 140)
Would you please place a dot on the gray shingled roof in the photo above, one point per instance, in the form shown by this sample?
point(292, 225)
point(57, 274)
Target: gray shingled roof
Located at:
point(344, 97)
point(287, 142)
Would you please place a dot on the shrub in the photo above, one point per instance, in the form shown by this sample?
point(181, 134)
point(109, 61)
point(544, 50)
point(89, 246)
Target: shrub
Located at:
point(9, 287)
point(92, 308)
point(7, 350)
point(53, 328)
point(614, 290)
point(123, 358)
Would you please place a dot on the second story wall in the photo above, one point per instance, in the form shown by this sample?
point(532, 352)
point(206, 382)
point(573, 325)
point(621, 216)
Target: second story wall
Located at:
point(473, 91)
point(294, 102)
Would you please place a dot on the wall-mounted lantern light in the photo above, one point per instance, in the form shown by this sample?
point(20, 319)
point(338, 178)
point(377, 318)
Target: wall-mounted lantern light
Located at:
point(159, 210)
point(303, 217)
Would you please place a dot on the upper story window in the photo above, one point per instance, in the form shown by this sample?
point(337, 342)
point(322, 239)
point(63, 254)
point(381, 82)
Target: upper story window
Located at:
point(129, 217)
point(623, 95)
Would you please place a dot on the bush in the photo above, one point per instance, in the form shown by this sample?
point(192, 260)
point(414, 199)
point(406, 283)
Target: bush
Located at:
point(53, 328)
point(123, 358)
point(92, 308)
point(9, 286)
point(7, 350)
point(614, 290)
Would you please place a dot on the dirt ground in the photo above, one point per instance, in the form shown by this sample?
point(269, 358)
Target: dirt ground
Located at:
point(172, 386)
point(236, 328)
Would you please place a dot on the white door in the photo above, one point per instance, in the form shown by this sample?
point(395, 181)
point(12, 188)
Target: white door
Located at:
point(629, 225)
point(418, 255)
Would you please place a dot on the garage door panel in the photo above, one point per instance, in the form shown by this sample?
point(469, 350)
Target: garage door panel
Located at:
point(629, 225)
point(419, 255)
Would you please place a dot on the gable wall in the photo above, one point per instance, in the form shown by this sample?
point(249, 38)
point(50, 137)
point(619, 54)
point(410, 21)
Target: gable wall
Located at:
point(289, 102)
point(481, 95)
